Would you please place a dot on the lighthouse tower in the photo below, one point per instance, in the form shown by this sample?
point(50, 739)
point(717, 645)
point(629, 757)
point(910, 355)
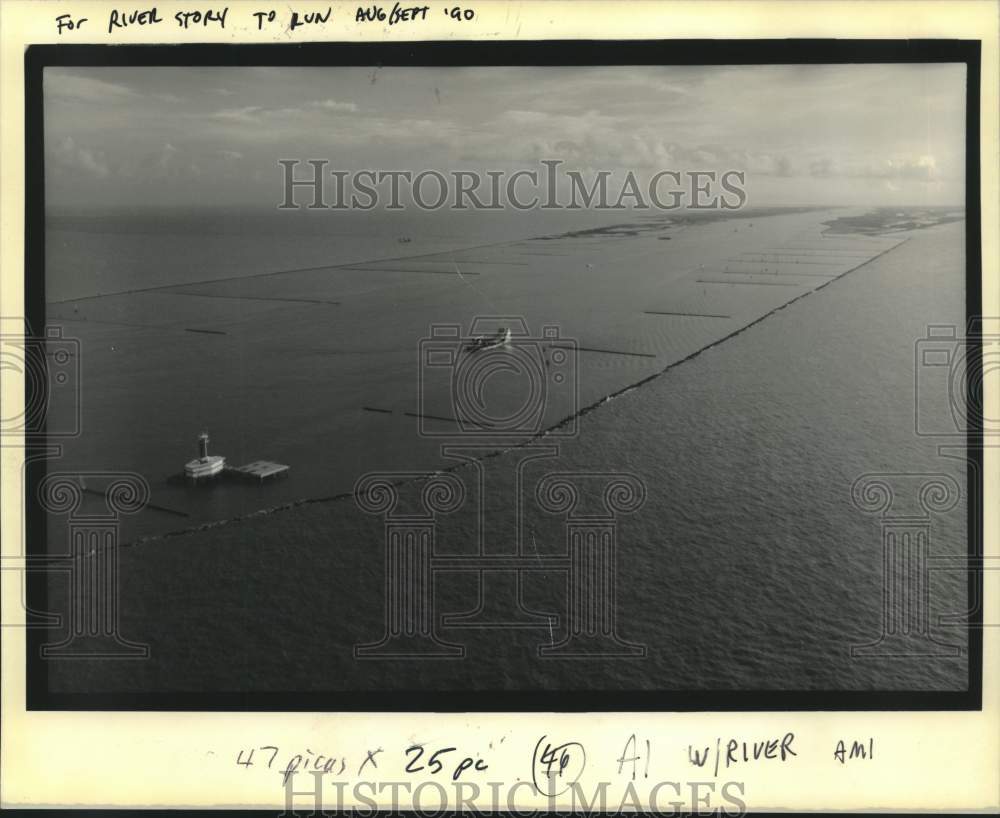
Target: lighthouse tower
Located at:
point(206, 465)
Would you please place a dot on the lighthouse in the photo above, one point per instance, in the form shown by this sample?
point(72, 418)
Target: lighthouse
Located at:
point(205, 465)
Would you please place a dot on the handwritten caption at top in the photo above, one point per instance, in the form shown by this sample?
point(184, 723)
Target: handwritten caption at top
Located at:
point(259, 19)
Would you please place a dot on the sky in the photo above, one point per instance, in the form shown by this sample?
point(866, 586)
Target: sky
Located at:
point(804, 135)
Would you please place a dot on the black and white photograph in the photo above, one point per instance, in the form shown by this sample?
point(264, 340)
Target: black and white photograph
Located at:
point(465, 376)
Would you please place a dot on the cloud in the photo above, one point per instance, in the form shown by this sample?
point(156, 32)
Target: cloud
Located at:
point(822, 168)
point(923, 168)
point(765, 164)
point(255, 114)
point(69, 156)
point(85, 89)
point(837, 125)
point(249, 114)
point(258, 114)
point(334, 105)
point(161, 163)
point(168, 152)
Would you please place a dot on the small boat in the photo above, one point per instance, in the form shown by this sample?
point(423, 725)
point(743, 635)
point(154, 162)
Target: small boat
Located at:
point(501, 338)
point(205, 465)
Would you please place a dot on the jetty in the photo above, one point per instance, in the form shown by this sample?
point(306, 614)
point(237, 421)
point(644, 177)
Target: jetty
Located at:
point(259, 470)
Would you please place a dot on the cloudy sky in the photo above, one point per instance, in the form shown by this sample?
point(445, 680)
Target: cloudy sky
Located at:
point(861, 134)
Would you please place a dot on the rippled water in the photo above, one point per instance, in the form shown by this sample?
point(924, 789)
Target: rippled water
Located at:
point(748, 567)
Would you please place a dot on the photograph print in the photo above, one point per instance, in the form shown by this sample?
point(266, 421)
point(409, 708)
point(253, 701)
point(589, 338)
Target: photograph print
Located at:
point(466, 377)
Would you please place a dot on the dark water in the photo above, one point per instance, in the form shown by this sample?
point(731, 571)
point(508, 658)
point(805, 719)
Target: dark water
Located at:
point(100, 251)
point(287, 367)
point(748, 566)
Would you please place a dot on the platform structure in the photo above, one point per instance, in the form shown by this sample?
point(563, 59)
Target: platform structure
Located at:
point(258, 470)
